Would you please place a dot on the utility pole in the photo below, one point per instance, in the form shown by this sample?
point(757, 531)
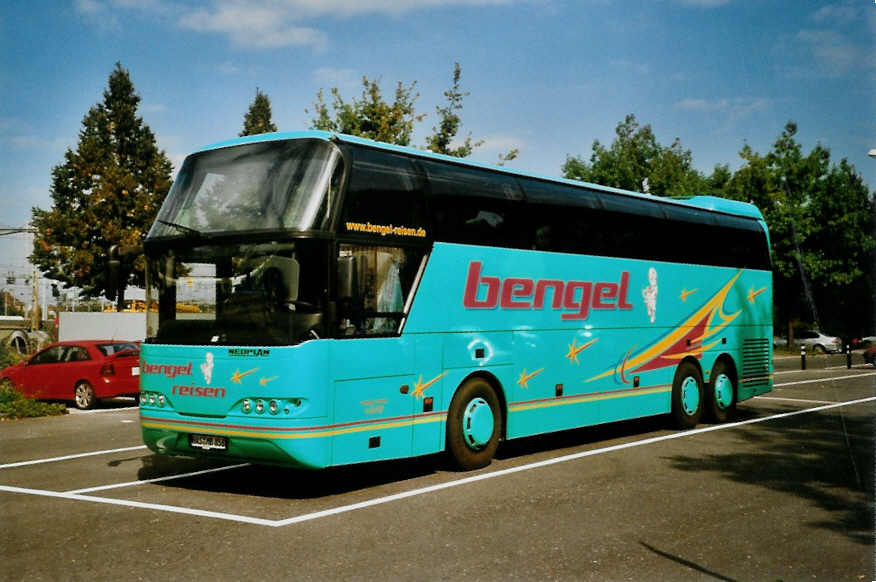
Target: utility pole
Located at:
point(35, 303)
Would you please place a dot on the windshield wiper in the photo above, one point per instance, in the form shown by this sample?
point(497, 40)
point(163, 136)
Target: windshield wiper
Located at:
point(186, 229)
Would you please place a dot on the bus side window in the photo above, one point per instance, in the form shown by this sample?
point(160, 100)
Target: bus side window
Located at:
point(374, 284)
point(385, 191)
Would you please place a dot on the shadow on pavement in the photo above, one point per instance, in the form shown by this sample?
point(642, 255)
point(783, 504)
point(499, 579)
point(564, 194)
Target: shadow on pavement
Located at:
point(827, 459)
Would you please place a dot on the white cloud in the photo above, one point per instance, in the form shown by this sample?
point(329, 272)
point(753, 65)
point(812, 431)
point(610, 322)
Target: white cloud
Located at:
point(840, 14)
point(631, 66)
point(703, 3)
point(260, 24)
point(153, 108)
point(735, 108)
point(253, 25)
point(334, 77)
point(835, 53)
point(282, 23)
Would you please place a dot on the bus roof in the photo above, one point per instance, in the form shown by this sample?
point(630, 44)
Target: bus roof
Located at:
point(712, 203)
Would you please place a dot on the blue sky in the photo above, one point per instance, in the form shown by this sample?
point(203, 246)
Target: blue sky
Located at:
point(546, 76)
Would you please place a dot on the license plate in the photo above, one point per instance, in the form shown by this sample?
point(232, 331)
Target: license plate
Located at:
point(208, 442)
point(135, 371)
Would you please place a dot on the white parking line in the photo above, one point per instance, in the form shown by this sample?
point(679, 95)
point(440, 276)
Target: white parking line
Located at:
point(795, 400)
point(156, 480)
point(141, 505)
point(432, 488)
point(101, 410)
point(68, 457)
point(824, 379)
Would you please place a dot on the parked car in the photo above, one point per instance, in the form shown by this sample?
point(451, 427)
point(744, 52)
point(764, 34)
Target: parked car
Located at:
point(816, 341)
point(81, 371)
point(864, 342)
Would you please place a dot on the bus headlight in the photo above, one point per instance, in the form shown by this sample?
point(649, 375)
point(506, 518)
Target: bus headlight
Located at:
point(273, 407)
point(151, 399)
point(143, 398)
point(161, 400)
point(260, 406)
point(247, 405)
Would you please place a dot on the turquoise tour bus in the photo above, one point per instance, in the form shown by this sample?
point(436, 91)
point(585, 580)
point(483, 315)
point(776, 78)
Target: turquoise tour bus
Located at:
point(318, 299)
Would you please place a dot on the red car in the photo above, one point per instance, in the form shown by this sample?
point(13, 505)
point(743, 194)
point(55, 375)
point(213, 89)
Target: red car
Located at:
point(81, 371)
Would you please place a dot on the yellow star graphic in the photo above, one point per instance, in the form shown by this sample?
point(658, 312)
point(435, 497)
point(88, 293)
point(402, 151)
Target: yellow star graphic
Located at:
point(752, 294)
point(574, 350)
point(264, 381)
point(238, 375)
point(420, 388)
point(685, 293)
point(524, 377)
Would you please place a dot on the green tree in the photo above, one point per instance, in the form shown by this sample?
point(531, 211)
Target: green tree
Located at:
point(821, 223)
point(370, 116)
point(636, 161)
point(258, 118)
point(106, 192)
point(441, 140)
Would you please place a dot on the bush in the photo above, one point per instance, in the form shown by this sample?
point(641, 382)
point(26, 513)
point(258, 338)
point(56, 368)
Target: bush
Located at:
point(14, 405)
point(8, 356)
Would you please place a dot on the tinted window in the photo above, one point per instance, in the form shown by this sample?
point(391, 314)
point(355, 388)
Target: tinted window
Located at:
point(474, 206)
point(109, 349)
point(48, 356)
point(76, 354)
point(384, 196)
point(578, 220)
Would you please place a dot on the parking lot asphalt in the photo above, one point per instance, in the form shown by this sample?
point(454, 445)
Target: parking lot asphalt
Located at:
point(786, 492)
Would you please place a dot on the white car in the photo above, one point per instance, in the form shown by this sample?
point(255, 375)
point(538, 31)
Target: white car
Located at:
point(818, 342)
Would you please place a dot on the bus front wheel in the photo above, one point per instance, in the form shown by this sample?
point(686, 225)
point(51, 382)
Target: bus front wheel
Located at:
point(687, 395)
point(474, 424)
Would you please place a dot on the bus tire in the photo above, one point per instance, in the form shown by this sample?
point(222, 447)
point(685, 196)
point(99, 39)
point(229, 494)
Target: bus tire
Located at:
point(687, 395)
point(474, 424)
point(721, 393)
point(83, 396)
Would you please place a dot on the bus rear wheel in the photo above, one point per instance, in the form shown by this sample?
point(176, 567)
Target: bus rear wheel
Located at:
point(474, 424)
point(687, 395)
point(721, 394)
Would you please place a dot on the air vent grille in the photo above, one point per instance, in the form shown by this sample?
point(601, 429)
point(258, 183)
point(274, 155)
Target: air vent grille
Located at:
point(756, 362)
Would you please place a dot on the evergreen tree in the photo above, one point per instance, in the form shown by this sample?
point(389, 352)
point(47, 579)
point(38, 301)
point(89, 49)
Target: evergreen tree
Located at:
point(258, 118)
point(106, 192)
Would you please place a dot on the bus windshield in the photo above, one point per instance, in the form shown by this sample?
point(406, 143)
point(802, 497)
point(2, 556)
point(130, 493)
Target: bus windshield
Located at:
point(276, 185)
point(266, 293)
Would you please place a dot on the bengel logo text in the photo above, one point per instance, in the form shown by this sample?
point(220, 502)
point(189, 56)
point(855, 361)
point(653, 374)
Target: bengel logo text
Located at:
point(520, 293)
point(168, 370)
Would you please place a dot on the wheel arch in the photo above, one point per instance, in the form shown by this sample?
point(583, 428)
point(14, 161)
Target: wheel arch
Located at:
point(693, 361)
point(731, 365)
